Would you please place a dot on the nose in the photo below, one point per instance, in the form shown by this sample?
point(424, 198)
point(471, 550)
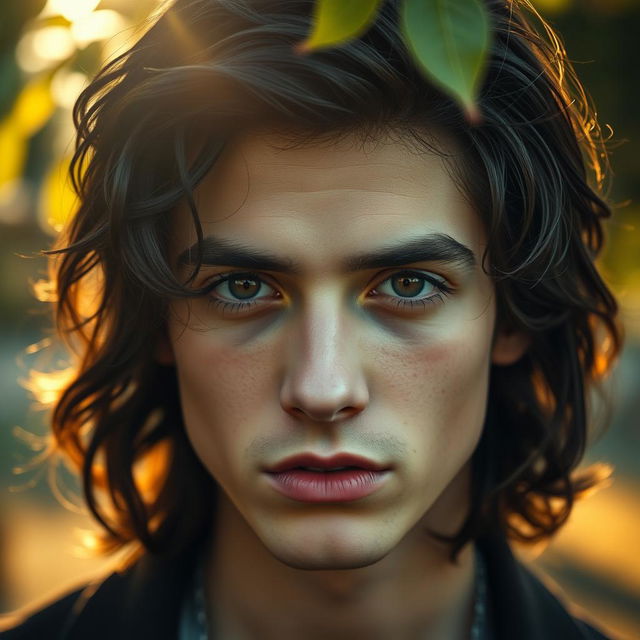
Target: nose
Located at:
point(324, 379)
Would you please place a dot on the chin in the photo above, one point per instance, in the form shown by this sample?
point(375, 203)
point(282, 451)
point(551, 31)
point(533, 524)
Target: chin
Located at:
point(314, 561)
point(327, 550)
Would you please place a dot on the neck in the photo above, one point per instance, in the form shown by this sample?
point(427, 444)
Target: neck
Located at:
point(414, 592)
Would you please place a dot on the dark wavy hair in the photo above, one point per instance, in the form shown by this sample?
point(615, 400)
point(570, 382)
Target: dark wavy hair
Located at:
point(151, 125)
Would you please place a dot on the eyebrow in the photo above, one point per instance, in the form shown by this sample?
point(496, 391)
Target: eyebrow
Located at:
point(436, 247)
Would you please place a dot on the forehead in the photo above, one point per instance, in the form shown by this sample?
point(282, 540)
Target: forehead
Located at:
point(319, 202)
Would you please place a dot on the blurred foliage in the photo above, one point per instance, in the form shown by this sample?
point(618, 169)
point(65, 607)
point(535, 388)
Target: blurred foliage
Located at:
point(13, 16)
point(48, 51)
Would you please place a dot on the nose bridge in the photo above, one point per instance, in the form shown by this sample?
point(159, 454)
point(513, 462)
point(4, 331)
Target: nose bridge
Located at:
point(324, 376)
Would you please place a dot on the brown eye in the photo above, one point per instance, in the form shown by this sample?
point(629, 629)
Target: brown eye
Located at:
point(408, 285)
point(237, 292)
point(243, 287)
point(411, 288)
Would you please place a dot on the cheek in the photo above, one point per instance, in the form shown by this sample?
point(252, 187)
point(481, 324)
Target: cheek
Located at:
point(464, 393)
point(441, 389)
point(220, 388)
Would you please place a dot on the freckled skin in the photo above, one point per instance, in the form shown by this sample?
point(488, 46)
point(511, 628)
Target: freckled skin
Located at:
point(324, 368)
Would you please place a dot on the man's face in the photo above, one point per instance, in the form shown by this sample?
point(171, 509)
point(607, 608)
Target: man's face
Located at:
point(383, 361)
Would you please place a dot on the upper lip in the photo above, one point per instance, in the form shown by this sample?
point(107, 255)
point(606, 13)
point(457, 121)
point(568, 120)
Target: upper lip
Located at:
point(338, 460)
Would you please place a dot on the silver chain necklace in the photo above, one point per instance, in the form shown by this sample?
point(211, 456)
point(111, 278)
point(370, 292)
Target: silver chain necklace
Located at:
point(193, 624)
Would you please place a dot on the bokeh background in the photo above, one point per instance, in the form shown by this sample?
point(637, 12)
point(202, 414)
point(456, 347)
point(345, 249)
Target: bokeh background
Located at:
point(48, 50)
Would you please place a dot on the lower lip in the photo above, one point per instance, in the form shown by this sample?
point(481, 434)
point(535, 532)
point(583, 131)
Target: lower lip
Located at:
point(330, 486)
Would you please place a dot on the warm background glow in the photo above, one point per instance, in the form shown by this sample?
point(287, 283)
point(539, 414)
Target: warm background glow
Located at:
point(48, 51)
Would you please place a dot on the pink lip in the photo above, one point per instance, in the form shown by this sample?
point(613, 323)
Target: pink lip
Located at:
point(362, 479)
point(327, 486)
point(337, 460)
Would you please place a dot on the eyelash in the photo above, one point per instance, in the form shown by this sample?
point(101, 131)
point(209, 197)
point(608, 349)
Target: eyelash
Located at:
point(443, 289)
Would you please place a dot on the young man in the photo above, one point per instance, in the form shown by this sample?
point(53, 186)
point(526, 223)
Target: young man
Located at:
point(334, 342)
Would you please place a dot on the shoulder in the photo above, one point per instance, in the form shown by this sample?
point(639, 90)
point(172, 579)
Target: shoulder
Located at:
point(40, 621)
point(523, 606)
point(142, 601)
point(558, 610)
point(59, 618)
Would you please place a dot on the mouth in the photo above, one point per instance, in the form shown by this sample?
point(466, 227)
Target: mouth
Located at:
point(342, 478)
point(318, 464)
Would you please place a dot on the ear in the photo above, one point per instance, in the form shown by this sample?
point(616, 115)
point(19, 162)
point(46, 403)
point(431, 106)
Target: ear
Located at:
point(163, 351)
point(509, 346)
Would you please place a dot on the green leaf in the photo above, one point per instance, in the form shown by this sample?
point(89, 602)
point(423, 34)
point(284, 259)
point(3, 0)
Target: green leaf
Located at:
point(338, 21)
point(450, 41)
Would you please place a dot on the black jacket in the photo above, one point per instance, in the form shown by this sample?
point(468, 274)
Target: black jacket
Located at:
point(145, 601)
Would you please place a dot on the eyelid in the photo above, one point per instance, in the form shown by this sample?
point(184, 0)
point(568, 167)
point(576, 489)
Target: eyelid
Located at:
point(429, 275)
point(380, 277)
